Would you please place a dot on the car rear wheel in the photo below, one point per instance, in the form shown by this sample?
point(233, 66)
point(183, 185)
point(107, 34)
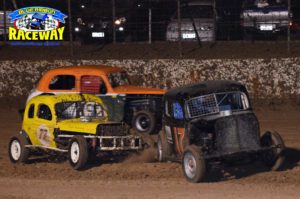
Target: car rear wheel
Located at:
point(144, 122)
point(18, 153)
point(164, 149)
point(193, 164)
point(78, 152)
point(274, 157)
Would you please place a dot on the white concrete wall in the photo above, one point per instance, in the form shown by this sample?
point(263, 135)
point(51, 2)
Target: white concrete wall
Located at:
point(265, 78)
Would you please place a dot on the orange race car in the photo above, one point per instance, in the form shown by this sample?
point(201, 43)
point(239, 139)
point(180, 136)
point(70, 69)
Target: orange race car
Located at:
point(142, 106)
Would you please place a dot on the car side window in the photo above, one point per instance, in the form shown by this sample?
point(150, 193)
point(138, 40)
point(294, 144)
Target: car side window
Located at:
point(44, 112)
point(31, 111)
point(92, 84)
point(62, 82)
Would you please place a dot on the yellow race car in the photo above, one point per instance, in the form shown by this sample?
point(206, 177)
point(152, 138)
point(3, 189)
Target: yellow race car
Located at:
point(76, 124)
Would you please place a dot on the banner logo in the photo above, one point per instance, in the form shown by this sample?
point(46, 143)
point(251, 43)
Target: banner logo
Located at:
point(37, 24)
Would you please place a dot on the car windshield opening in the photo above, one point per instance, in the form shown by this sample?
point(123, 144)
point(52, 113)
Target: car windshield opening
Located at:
point(229, 101)
point(215, 103)
point(72, 110)
point(118, 79)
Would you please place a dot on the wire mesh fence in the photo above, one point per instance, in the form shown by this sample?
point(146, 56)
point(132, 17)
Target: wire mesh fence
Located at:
point(99, 22)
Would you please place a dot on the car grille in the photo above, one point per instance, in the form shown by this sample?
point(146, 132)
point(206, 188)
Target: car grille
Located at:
point(111, 130)
point(237, 133)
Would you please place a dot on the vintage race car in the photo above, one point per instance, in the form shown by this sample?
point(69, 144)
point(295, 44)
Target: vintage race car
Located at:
point(76, 124)
point(142, 106)
point(213, 122)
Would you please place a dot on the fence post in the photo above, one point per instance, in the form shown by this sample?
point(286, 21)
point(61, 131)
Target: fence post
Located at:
point(70, 29)
point(179, 28)
point(289, 28)
point(150, 23)
point(113, 2)
point(4, 21)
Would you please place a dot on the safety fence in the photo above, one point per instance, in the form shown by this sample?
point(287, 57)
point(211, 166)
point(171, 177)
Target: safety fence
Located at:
point(99, 22)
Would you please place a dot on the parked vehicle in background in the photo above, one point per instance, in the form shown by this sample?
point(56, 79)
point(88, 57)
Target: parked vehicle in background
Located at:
point(76, 125)
point(141, 106)
point(8, 23)
point(10, 6)
point(93, 22)
point(269, 17)
point(99, 29)
point(198, 19)
point(295, 28)
point(211, 123)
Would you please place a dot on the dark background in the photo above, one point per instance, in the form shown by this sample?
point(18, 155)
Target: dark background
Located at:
point(136, 14)
point(135, 44)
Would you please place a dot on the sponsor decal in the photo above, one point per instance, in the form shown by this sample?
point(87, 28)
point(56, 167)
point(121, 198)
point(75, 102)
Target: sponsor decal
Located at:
point(43, 135)
point(179, 136)
point(37, 24)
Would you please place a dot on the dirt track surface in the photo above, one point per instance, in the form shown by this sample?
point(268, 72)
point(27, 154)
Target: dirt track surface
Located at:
point(138, 177)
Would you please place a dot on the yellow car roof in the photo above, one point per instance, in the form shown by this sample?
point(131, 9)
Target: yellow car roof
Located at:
point(54, 99)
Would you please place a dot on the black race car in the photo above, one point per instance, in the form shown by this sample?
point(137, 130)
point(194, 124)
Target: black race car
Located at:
point(213, 122)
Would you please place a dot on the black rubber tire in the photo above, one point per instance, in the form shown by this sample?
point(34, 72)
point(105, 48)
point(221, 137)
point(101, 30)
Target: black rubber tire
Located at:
point(274, 158)
point(21, 141)
point(144, 122)
point(164, 149)
point(193, 164)
point(80, 162)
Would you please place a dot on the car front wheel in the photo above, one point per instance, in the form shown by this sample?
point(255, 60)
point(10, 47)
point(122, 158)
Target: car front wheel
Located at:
point(193, 164)
point(78, 152)
point(18, 153)
point(273, 157)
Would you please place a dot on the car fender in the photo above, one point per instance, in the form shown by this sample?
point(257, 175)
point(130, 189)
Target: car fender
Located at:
point(24, 134)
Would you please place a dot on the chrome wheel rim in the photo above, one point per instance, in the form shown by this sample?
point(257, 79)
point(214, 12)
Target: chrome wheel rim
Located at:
point(159, 151)
point(189, 163)
point(142, 123)
point(15, 150)
point(74, 152)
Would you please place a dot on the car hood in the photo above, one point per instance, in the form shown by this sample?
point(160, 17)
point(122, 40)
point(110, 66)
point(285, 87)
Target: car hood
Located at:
point(138, 90)
point(78, 126)
point(198, 23)
point(269, 15)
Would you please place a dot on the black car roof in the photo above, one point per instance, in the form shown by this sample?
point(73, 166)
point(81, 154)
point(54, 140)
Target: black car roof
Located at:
point(204, 88)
